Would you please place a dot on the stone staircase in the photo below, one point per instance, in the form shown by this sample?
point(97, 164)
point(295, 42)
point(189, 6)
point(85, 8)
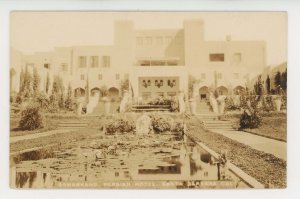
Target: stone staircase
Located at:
point(209, 119)
point(72, 125)
point(203, 107)
point(149, 108)
point(99, 108)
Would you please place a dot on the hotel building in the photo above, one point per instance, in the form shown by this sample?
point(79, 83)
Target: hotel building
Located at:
point(157, 62)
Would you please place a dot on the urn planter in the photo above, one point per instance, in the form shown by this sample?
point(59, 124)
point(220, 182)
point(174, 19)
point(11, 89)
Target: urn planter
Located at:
point(193, 106)
point(278, 104)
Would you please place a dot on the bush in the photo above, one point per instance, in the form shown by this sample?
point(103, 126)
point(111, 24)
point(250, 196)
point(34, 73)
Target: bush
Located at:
point(229, 104)
point(174, 105)
point(250, 120)
point(161, 123)
point(268, 103)
point(31, 117)
point(119, 125)
point(160, 101)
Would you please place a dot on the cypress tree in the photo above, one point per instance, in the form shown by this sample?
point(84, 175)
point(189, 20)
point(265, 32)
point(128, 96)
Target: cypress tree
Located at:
point(47, 83)
point(277, 79)
point(268, 84)
point(284, 80)
point(36, 82)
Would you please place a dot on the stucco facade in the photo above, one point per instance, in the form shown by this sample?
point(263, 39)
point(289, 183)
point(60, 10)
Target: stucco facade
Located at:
point(156, 62)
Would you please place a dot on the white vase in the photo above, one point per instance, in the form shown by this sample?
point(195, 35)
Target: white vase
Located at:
point(221, 107)
point(278, 104)
point(107, 107)
point(79, 108)
point(193, 107)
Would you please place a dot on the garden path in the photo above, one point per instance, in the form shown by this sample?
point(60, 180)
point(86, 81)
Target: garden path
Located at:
point(38, 135)
point(275, 147)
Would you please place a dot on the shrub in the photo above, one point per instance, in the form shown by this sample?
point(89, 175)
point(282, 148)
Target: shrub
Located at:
point(178, 128)
point(174, 105)
point(229, 104)
point(119, 125)
point(161, 123)
point(160, 101)
point(268, 103)
point(250, 120)
point(31, 117)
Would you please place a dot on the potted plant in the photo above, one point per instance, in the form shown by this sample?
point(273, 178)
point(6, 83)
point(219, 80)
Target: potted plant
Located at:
point(278, 102)
point(193, 105)
point(221, 103)
point(107, 102)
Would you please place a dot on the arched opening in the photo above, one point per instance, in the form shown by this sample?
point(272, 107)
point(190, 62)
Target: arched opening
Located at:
point(222, 90)
point(95, 91)
point(203, 93)
point(238, 89)
point(113, 92)
point(79, 92)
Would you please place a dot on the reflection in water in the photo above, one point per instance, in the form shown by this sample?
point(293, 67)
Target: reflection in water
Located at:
point(135, 159)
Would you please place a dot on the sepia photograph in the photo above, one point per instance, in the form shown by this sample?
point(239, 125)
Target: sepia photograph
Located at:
point(148, 100)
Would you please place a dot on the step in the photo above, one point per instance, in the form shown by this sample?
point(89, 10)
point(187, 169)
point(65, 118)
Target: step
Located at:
point(150, 109)
point(224, 129)
point(211, 124)
point(71, 127)
point(151, 106)
point(73, 124)
point(217, 122)
point(218, 127)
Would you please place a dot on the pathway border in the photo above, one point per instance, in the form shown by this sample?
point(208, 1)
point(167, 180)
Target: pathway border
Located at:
point(249, 180)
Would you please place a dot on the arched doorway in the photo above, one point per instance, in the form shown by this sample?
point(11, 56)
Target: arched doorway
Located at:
point(238, 89)
point(95, 91)
point(203, 93)
point(113, 92)
point(79, 92)
point(222, 90)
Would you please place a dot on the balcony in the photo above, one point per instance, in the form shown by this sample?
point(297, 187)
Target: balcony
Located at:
point(150, 61)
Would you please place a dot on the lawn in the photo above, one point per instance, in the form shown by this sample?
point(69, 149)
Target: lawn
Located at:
point(274, 125)
point(58, 139)
point(266, 168)
point(51, 123)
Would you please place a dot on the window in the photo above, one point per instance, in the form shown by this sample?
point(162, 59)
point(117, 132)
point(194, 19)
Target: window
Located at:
point(47, 66)
point(203, 75)
point(148, 40)
point(139, 41)
point(94, 61)
point(126, 76)
point(100, 77)
point(219, 75)
point(217, 57)
point(106, 61)
point(81, 77)
point(235, 75)
point(168, 40)
point(237, 58)
point(82, 62)
point(64, 67)
point(117, 76)
point(159, 40)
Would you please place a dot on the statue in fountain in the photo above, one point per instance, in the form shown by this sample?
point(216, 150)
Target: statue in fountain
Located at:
point(143, 125)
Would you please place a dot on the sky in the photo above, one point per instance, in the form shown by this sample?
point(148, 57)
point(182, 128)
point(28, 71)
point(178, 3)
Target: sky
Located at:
point(32, 32)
